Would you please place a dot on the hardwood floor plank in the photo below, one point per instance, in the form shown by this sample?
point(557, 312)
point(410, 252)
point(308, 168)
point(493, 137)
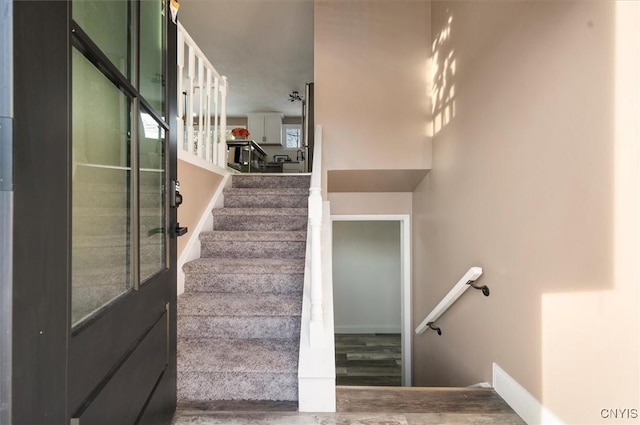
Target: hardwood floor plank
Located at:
point(373, 356)
point(366, 363)
point(463, 419)
point(368, 359)
point(370, 371)
point(374, 381)
point(420, 400)
point(243, 418)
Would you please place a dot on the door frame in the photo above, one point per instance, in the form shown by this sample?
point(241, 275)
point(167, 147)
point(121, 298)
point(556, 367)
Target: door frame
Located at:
point(405, 287)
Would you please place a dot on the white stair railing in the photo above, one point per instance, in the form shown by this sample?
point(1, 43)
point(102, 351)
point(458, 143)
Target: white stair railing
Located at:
point(315, 223)
point(316, 363)
point(202, 101)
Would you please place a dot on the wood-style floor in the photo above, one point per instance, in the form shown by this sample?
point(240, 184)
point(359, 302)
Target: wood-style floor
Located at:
point(369, 406)
point(368, 359)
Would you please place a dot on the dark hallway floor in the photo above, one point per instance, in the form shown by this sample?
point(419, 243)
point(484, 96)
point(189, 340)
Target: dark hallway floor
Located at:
point(368, 359)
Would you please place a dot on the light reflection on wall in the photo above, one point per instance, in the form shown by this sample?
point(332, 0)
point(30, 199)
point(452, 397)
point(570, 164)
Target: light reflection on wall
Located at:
point(443, 70)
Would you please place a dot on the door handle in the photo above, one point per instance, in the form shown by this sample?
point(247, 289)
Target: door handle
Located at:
point(179, 231)
point(175, 196)
point(175, 201)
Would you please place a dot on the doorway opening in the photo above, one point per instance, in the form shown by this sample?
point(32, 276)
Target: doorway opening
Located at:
point(372, 299)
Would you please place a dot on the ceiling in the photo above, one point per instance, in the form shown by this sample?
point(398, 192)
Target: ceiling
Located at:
point(263, 47)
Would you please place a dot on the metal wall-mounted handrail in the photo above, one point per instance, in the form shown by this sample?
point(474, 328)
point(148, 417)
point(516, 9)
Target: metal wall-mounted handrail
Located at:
point(459, 288)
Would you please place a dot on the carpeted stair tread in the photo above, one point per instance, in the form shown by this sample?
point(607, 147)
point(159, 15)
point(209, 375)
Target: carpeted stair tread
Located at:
point(271, 181)
point(259, 211)
point(254, 236)
point(238, 305)
point(237, 355)
point(244, 265)
point(273, 191)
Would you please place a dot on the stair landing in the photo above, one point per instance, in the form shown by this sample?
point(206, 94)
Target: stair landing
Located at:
point(371, 406)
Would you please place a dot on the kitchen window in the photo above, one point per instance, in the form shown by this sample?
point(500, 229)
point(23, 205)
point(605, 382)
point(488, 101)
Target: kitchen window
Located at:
point(292, 135)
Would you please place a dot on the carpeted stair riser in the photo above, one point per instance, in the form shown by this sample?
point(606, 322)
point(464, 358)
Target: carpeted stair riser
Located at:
point(257, 198)
point(228, 365)
point(244, 266)
point(213, 304)
point(204, 386)
point(279, 327)
point(245, 283)
point(237, 355)
point(233, 249)
point(253, 236)
point(271, 182)
point(259, 222)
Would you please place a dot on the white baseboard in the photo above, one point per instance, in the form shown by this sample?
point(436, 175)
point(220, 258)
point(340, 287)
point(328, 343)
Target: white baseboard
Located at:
point(481, 385)
point(521, 401)
point(367, 329)
point(191, 250)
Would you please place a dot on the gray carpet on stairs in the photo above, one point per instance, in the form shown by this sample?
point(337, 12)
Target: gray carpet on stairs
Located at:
point(239, 318)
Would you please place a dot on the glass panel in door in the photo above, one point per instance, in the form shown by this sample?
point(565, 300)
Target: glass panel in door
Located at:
point(152, 48)
point(108, 25)
point(101, 190)
point(153, 226)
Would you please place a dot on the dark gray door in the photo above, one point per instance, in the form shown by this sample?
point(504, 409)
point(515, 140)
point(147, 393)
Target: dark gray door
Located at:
point(101, 286)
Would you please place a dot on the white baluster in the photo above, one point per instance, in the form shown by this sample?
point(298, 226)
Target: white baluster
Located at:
point(191, 67)
point(207, 115)
point(222, 146)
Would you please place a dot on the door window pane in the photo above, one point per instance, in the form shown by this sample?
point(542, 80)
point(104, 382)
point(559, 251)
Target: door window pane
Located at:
point(152, 47)
point(152, 195)
point(107, 23)
point(101, 190)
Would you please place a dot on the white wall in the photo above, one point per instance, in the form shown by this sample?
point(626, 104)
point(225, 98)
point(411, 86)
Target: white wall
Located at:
point(367, 276)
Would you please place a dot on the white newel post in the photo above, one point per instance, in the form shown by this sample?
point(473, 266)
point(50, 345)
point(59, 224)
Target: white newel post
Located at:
point(315, 221)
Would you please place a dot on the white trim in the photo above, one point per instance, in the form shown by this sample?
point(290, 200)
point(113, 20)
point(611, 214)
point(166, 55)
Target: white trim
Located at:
point(521, 400)
point(191, 250)
point(481, 385)
point(405, 291)
point(200, 162)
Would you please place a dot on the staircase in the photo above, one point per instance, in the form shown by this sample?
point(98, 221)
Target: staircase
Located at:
point(239, 318)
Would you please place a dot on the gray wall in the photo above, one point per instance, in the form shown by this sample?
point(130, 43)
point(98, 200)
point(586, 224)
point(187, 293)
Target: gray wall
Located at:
point(367, 276)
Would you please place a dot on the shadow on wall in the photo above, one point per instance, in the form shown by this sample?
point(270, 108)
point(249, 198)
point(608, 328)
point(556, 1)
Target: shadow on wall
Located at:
point(443, 70)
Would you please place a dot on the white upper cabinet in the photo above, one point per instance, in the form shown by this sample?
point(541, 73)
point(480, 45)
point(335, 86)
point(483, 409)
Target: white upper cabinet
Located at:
point(265, 127)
